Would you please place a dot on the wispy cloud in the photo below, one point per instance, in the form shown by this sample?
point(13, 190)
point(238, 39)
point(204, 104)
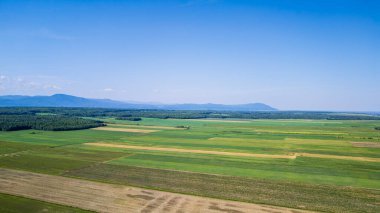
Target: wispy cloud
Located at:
point(52, 86)
point(28, 84)
point(108, 90)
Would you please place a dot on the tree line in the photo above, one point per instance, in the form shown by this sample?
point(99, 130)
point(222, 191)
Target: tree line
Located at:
point(45, 122)
point(185, 114)
point(128, 118)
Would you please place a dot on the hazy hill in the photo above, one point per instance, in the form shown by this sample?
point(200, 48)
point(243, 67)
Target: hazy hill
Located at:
point(62, 100)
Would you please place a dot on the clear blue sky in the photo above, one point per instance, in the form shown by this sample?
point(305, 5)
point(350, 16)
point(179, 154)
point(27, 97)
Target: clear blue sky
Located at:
point(299, 54)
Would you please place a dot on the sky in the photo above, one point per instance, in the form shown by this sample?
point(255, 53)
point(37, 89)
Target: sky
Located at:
point(290, 54)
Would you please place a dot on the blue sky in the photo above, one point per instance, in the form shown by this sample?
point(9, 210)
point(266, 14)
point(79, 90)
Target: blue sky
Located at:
point(291, 54)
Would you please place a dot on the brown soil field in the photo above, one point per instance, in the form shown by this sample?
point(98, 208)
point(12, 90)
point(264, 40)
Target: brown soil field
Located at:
point(366, 144)
point(217, 120)
point(102, 197)
point(147, 127)
point(191, 151)
point(125, 130)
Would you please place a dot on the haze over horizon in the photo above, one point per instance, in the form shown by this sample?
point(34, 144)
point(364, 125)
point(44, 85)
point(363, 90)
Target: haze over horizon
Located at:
point(292, 55)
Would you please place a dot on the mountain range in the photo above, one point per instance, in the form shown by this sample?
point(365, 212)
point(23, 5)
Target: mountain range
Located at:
point(62, 100)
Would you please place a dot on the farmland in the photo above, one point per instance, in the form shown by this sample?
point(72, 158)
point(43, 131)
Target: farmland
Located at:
point(303, 164)
point(112, 198)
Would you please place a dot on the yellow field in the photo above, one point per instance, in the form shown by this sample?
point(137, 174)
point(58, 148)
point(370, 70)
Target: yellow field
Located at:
point(125, 130)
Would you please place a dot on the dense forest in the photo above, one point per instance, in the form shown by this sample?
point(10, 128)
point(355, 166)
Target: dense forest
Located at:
point(45, 122)
point(165, 114)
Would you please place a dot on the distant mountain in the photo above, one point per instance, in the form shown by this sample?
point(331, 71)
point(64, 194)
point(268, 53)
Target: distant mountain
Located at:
point(62, 100)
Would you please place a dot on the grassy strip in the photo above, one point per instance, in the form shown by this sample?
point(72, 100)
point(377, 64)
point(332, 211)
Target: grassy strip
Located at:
point(287, 194)
point(56, 160)
point(16, 204)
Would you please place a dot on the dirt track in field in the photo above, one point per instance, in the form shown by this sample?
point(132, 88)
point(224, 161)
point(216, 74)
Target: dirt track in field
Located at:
point(147, 127)
point(125, 130)
point(103, 197)
point(240, 154)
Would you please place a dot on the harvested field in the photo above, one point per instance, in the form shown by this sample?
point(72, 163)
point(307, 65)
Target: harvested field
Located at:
point(240, 154)
point(366, 144)
point(219, 120)
point(104, 197)
point(297, 132)
point(324, 198)
point(126, 130)
point(147, 127)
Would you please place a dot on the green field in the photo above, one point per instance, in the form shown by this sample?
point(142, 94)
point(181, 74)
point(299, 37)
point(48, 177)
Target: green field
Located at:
point(15, 204)
point(333, 165)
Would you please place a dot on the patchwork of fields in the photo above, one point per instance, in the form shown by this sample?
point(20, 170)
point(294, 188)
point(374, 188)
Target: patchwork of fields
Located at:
point(316, 165)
